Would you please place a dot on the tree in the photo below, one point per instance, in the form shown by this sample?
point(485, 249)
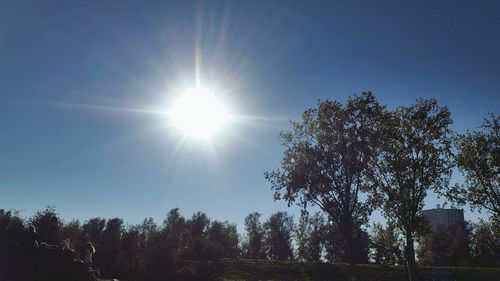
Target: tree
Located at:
point(326, 162)
point(147, 228)
point(136, 255)
point(93, 229)
point(224, 239)
point(160, 256)
point(132, 252)
point(11, 226)
point(478, 158)
point(302, 238)
point(485, 245)
point(175, 228)
point(72, 231)
point(278, 236)
point(254, 248)
point(446, 246)
point(108, 255)
point(335, 246)
point(316, 237)
point(198, 225)
point(310, 236)
point(197, 246)
point(414, 157)
point(386, 245)
point(47, 224)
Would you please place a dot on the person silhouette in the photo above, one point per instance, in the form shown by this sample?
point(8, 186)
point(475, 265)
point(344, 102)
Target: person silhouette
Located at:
point(31, 237)
point(88, 252)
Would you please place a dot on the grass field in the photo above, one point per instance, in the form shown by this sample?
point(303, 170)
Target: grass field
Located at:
point(254, 270)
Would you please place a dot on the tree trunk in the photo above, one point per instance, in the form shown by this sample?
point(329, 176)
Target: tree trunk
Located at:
point(410, 258)
point(347, 232)
point(348, 251)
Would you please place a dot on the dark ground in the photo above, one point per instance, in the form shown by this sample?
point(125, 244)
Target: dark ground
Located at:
point(18, 263)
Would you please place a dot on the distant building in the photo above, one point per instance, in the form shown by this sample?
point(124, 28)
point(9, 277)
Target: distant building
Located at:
point(440, 217)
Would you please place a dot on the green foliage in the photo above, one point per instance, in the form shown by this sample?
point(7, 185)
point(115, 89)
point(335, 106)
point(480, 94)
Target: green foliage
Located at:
point(198, 225)
point(148, 252)
point(224, 238)
point(253, 247)
point(478, 158)
point(11, 226)
point(414, 157)
point(485, 245)
point(176, 228)
point(446, 246)
point(326, 161)
point(310, 237)
point(93, 229)
point(336, 246)
point(386, 245)
point(48, 224)
point(73, 231)
point(107, 257)
point(278, 236)
point(196, 246)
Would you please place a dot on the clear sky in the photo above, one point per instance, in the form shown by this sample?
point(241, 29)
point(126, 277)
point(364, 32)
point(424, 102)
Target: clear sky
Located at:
point(82, 85)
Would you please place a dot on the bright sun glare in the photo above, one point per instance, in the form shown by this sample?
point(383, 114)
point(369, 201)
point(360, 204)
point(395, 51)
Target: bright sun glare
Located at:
point(198, 113)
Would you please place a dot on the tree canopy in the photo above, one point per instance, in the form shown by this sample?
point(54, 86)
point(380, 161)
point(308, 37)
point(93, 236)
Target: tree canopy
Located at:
point(326, 160)
point(478, 158)
point(414, 157)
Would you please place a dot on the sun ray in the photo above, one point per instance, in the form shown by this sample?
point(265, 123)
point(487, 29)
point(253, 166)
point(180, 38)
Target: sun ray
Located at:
point(102, 107)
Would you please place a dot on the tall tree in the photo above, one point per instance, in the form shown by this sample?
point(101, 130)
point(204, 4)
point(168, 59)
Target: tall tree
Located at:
point(326, 161)
point(197, 246)
point(254, 248)
point(302, 237)
point(415, 157)
point(278, 236)
point(175, 228)
point(478, 158)
point(131, 257)
point(107, 257)
point(316, 237)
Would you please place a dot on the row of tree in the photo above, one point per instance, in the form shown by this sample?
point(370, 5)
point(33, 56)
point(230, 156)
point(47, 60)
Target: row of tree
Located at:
point(148, 250)
point(349, 159)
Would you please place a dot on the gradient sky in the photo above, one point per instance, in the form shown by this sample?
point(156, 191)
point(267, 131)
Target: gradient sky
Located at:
point(81, 86)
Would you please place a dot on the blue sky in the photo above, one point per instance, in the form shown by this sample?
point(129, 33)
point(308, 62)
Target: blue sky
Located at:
point(81, 85)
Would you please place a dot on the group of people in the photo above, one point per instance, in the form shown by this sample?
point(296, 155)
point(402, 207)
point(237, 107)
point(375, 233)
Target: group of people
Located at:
point(86, 253)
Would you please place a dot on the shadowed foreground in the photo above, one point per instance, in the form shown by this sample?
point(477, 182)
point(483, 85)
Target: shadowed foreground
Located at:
point(253, 270)
point(40, 264)
point(21, 263)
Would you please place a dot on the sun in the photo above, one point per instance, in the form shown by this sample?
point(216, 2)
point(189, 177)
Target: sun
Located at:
point(198, 113)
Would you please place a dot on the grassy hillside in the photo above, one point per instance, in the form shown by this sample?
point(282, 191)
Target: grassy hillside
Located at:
point(253, 270)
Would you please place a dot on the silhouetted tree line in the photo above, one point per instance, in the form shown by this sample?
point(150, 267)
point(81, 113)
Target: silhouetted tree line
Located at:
point(148, 250)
